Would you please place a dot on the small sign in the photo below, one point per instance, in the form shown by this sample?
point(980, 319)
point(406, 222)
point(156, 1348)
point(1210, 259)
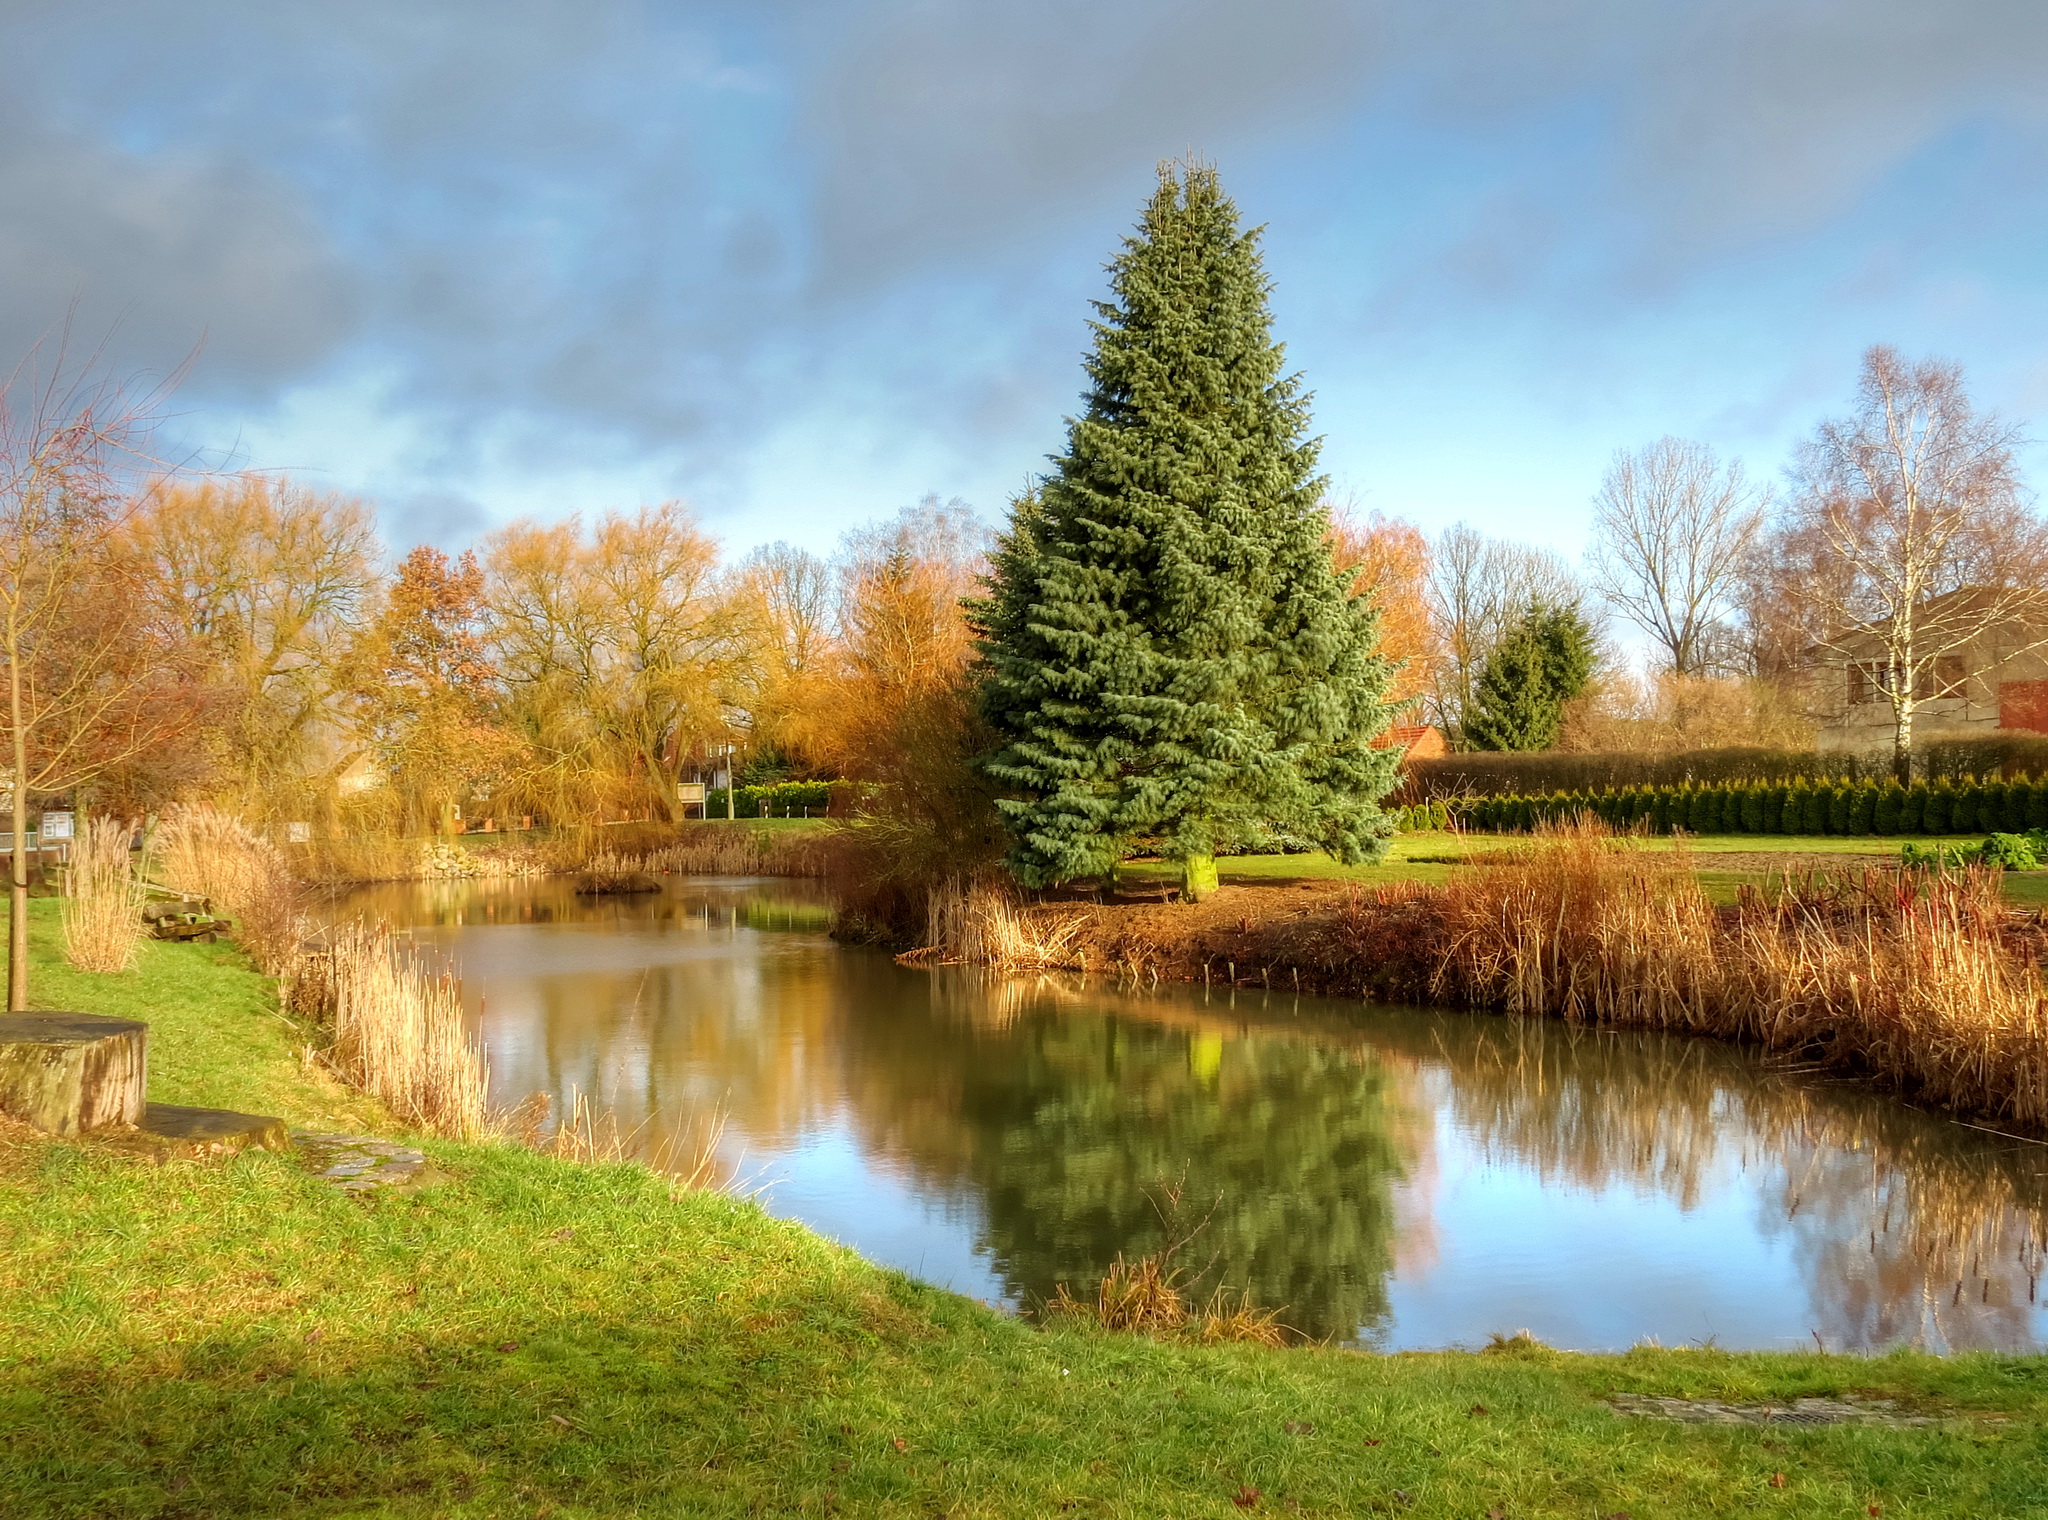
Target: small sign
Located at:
point(690, 791)
point(298, 833)
point(56, 826)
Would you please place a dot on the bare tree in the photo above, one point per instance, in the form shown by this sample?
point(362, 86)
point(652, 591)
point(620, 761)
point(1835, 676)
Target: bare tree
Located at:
point(84, 689)
point(1672, 528)
point(1911, 536)
point(1478, 588)
point(794, 589)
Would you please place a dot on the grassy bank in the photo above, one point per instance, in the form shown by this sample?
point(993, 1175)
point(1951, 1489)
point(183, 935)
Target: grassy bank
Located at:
point(536, 1338)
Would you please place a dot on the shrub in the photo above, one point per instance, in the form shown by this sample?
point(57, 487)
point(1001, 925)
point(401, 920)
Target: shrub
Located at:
point(1885, 809)
point(1913, 810)
point(1936, 812)
point(2009, 852)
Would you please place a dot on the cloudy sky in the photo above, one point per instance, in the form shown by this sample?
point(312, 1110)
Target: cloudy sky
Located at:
point(800, 263)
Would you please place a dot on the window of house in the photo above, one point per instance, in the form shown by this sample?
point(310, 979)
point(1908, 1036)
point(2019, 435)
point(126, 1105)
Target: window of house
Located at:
point(1869, 681)
point(1945, 677)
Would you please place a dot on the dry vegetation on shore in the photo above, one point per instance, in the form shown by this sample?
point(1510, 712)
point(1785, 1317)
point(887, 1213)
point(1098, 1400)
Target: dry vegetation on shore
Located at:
point(1925, 981)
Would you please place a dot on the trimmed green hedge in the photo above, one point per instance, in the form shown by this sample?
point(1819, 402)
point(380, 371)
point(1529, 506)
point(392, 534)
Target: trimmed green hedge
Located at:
point(784, 799)
point(1796, 807)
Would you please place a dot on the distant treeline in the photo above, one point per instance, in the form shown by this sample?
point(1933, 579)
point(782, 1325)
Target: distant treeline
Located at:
point(1487, 774)
point(1797, 807)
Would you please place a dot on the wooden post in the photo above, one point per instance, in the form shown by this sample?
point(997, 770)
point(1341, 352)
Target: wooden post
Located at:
point(67, 1073)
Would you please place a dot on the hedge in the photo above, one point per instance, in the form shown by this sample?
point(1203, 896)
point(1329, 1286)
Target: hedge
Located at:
point(1800, 806)
point(1485, 774)
point(784, 799)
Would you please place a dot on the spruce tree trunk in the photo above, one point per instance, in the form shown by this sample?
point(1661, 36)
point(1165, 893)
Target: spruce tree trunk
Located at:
point(1197, 877)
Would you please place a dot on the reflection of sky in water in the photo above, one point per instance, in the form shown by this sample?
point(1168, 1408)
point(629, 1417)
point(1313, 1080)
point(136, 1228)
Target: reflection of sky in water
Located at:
point(832, 1184)
point(1424, 1178)
point(1596, 1269)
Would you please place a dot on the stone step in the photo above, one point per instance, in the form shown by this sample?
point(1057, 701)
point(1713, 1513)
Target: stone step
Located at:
point(363, 1163)
point(212, 1131)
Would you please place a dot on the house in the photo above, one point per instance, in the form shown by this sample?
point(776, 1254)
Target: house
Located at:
point(1416, 741)
point(1995, 680)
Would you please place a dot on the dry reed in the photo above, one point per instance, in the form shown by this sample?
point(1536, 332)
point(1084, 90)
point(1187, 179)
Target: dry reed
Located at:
point(588, 1136)
point(1144, 1297)
point(205, 853)
point(397, 1031)
point(1903, 975)
point(980, 922)
point(103, 898)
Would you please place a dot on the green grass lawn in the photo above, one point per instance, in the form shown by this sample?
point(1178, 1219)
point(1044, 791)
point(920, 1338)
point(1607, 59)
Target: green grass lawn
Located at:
point(534, 1338)
point(1433, 856)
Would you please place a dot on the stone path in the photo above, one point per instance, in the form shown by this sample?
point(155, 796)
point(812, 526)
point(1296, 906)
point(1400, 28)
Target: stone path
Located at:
point(1798, 1412)
point(363, 1164)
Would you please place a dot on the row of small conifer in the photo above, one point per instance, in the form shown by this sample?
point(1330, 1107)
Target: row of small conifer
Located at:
point(1798, 807)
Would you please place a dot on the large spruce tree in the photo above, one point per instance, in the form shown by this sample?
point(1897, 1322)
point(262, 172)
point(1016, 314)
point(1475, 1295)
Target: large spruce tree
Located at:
point(1169, 659)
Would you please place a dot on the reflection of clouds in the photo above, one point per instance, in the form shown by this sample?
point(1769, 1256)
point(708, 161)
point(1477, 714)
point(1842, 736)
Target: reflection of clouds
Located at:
point(1017, 1132)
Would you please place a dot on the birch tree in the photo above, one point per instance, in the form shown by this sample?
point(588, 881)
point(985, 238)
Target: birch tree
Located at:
point(1672, 527)
point(1911, 536)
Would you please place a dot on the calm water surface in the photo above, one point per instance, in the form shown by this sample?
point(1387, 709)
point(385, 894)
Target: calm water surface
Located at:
point(1394, 1177)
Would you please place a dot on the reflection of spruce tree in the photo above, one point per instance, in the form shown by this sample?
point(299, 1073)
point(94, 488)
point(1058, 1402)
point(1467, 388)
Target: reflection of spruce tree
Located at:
point(1069, 1125)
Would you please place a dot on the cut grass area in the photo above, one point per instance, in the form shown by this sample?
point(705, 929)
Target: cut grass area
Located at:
point(535, 1338)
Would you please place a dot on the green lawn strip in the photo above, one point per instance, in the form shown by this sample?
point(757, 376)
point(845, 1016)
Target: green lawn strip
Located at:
point(237, 1339)
point(216, 1037)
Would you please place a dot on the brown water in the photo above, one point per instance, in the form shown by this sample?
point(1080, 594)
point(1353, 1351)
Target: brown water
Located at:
point(1397, 1177)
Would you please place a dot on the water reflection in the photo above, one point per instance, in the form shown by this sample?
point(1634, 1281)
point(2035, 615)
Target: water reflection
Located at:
point(1401, 1177)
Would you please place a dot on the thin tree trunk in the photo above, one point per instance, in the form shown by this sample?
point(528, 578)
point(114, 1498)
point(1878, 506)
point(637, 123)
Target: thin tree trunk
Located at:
point(17, 877)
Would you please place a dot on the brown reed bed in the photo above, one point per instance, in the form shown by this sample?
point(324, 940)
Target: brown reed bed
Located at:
point(395, 1030)
point(205, 853)
point(1916, 978)
point(980, 921)
point(103, 898)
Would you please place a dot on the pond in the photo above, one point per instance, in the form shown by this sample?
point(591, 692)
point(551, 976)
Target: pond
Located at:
point(1390, 1177)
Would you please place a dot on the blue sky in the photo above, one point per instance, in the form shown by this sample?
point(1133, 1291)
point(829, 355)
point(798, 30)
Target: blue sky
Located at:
point(800, 263)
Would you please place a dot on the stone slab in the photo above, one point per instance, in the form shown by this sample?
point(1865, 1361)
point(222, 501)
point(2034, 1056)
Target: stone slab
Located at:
point(214, 1131)
point(365, 1164)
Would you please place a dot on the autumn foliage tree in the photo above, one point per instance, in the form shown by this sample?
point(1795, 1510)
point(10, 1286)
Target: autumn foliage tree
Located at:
point(92, 681)
point(425, 702)
point(272, 585)
point(1388, 562)
point(622, 653)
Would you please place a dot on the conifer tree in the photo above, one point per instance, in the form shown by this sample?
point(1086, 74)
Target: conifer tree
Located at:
point(1168, 656)
point(1540, 664)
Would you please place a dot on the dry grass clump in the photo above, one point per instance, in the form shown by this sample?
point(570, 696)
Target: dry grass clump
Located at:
point(589, 1136)
point(205, 853)
point(1144, 1297)
point(103, 898)
point(397, 1031)
point(1905, 975)
point(980, 922)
